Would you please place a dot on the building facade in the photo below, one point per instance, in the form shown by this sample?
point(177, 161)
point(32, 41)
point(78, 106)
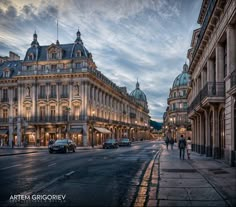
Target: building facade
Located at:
point(57, 92)
point(175, 119)
point(211, 98)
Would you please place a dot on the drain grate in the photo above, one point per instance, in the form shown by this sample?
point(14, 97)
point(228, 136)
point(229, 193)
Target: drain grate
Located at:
point(180, 170)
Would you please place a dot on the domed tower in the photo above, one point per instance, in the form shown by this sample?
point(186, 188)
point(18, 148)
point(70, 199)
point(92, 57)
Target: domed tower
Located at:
point(139, 95)
point(178, 122)
point(33, 52)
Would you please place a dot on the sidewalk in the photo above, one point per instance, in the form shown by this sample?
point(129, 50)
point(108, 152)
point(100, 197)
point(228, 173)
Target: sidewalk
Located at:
point(200, 181)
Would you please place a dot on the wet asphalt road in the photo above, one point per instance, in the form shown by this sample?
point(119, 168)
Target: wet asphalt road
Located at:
point(96, 177)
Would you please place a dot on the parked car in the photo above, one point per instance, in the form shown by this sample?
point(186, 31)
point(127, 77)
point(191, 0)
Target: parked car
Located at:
point(62, 145)
point(110, 143)
point(50, 143)
point(125, 142)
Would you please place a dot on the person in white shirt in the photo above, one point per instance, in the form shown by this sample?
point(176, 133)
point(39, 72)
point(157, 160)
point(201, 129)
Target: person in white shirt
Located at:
point(189, 147)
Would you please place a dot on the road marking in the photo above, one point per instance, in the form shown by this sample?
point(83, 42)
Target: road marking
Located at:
point(5, 168)
point(69, 173)
point(52, 164)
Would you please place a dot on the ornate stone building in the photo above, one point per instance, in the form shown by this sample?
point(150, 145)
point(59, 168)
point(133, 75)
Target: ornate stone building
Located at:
point(211, 99)
point(57, 91)
point(175, 119)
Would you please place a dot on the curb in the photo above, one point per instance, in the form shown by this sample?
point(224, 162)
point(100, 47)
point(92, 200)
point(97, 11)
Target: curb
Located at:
point(9, 154)
point(143, 193)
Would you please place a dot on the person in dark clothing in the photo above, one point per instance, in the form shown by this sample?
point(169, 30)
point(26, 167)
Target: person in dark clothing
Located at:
point(172, 141)
point(182, 146)
point(167, 142)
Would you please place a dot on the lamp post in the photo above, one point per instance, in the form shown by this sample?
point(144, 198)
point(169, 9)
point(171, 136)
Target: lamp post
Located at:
point(93, 112)
point(67, 126)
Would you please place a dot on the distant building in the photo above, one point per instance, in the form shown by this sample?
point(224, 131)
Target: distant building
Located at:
point(175, 119)
point(212, 96)
point(12, 56)
point(57, 92)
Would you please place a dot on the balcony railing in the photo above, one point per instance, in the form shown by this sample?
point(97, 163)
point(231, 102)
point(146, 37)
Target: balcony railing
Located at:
point(211, 89)
point(178, 110)
point(53, 96)
point(42, 96)
point(64, 96)
point(233, 79)
point(4, 120)
point(5, 99)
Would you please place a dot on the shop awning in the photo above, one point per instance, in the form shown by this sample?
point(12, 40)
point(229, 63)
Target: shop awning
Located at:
point(102, 130)
point(76, 130)
point(3, 131)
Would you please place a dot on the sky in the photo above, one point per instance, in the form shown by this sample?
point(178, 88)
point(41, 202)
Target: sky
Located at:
point(129, 39)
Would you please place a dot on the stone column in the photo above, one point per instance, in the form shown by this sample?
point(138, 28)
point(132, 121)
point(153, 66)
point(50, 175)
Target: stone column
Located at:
point(20, 114)
point(231, 49)
point(202, 134)
point(219, 63)
point(215, 132)
point(207, 134)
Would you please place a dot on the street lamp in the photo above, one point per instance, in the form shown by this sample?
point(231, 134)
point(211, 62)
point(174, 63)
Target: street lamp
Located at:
point(67, 126)
point(93, 112)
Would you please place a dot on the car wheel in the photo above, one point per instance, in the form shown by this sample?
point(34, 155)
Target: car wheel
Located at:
point(50, 151)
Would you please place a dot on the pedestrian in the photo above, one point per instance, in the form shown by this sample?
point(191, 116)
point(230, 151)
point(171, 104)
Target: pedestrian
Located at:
point(167, 140)
point(12, 144)
point(182, 146)
point(189, 147)
point(172, 141)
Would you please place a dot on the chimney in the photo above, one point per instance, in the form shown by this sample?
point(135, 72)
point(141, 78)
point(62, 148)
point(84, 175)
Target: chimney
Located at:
point(13, 56)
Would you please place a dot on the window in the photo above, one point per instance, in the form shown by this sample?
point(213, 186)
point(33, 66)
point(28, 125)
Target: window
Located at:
point(78, 53)
point(53, 67)
point(53, 93)
point(5, 94)
point(174, 94)
point(185, 105)
point(29, 67)
point(54, 55)
point(42, 113)
point(174, 106)
point(28, 113)
point(42, 91)
point(52, 112)
point(184, 92)
point(64, 91)
point(30, 57)
point(6, 74)
point(43, 67)
point(5, 114)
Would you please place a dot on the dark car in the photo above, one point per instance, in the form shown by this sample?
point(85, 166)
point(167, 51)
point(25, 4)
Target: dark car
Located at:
point(110, 143)
point(125, 142)
point(62, 145)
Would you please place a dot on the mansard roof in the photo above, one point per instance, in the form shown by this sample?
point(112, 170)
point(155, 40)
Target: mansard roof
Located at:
point(12, 66)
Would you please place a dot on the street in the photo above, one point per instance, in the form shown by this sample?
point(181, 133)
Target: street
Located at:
point(95, 177)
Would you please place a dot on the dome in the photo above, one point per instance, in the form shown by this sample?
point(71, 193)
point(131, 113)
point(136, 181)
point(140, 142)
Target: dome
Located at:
point(183, 78)
point(138, 94)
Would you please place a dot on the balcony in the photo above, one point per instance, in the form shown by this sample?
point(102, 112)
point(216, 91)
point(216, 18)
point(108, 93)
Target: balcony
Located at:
point(4, 120)
point(52, 96)
point(176, 110)
point(42, 96)
point(212, 92)
point(5, 99)
point(232, 90)
point(175, 98)
point(64, 95)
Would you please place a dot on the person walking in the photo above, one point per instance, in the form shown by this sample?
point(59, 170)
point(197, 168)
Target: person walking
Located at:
point(189, 147)
point(172, 141)
point(182, 146)
point(167, 142)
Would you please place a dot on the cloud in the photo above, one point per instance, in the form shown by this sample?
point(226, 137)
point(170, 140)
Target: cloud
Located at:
point(144, 39)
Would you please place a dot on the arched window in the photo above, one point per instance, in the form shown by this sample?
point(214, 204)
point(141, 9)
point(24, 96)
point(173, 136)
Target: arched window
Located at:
point(78, 53)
